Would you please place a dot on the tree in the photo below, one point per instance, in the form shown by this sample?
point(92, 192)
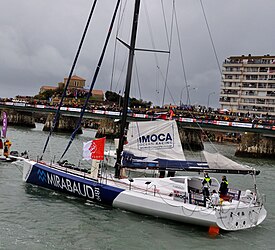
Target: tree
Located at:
point(139, 103)
point(133, 102)
point(113, 97)
point(45, 95)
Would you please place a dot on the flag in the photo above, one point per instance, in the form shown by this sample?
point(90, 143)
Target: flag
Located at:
point(171, 114)
point(5, 124)
point(94, 149)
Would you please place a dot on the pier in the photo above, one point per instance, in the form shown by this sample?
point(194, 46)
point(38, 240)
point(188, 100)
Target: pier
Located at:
point(256, 146)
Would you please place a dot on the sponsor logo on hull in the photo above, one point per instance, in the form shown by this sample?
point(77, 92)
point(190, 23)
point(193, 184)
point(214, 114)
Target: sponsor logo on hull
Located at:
point(77, 186)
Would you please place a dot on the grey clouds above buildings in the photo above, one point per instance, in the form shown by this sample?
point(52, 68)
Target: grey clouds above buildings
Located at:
point(38, 41)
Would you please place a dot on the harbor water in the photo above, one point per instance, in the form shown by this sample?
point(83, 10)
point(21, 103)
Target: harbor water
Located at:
point(35, 218)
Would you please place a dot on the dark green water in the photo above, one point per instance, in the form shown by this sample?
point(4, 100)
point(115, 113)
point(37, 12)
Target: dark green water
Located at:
point(35, 218)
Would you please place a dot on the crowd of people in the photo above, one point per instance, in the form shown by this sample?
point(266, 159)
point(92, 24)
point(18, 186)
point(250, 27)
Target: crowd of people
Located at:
point(190, 111)
point(201, 112)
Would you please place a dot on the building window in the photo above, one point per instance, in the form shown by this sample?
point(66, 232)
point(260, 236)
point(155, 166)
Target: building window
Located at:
point(261, 85)
point(263, 69)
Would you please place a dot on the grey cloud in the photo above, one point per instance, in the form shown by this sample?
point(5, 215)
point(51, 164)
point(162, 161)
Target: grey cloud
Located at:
point(38, 41)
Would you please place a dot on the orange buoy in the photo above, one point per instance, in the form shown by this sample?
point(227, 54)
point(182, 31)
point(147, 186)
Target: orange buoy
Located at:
point(213, 230)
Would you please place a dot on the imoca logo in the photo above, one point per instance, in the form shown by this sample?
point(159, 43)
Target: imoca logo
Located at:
point(155, 141)
point(155, 138)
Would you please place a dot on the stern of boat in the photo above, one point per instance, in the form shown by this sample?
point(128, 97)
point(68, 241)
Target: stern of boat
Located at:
point(240, 218)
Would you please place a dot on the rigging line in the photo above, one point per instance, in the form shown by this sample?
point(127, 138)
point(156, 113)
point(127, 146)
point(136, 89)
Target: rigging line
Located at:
point(212, 42)
point(163, 78)
point(213, 46)
point(121, 72)
point(150, 28)
point(170, 93)
point(114, 55)
point(121, 14)
point(151, 36)
point(181, 206)
point(157, 86)
point(180, 47)
point(203, 131)
point(57, 114)
point(138, 82)
point(153, 44)
point(169, 56)
point(165, 23)
point(94, 78)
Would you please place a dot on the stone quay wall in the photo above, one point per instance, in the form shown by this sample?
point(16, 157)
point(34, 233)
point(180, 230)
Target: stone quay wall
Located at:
point(19, 118)
point(256, 146)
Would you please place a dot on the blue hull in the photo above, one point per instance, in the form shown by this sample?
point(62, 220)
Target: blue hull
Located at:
point(55, 179)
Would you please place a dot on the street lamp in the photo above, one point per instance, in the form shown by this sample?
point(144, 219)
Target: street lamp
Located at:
point(187, 86)
point(212, 93)
point(188, 95)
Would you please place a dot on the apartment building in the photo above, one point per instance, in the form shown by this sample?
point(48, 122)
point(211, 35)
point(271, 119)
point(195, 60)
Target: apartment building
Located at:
point(248, 85)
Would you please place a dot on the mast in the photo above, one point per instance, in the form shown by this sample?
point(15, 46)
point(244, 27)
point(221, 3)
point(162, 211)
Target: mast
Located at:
point(127, 87)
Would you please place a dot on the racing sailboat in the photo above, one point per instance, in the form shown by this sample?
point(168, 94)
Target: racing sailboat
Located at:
point(174, 197)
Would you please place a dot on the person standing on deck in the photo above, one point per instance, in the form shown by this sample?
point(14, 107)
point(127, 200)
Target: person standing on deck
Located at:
point(223, 187)
point(206, 183)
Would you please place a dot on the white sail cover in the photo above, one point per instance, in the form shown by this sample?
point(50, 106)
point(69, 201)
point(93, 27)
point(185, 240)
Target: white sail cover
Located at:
point(154, 139)
point(218, 161)
point(157, 144)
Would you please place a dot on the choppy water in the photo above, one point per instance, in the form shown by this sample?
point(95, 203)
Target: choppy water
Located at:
point(35, 218)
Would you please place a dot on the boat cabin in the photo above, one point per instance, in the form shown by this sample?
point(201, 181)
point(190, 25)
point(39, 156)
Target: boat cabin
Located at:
point(193, 186)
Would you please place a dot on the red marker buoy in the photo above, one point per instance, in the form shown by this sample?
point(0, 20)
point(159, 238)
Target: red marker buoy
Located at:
point(213, 230)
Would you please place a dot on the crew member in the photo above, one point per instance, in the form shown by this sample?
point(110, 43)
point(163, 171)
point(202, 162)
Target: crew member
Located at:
point(215, 198)
point(223, 187)
point(7, 146)
point(206, 183)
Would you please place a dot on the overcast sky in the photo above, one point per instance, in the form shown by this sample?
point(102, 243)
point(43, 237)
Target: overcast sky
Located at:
point(39, 39)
